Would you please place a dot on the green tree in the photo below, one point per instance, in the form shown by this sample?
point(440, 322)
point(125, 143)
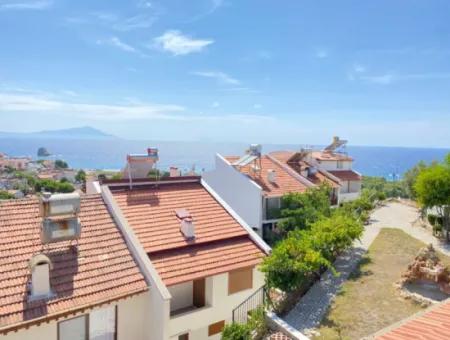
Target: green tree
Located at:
point(236, 331)
point(80, 176)
point(60, 164)
point(4, 195)
point(410, 178)
point(294, 262)
point(432, 188)
point(299, 210)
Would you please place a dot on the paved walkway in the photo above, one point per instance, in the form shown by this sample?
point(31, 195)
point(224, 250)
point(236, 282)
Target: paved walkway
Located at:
point(310, 310)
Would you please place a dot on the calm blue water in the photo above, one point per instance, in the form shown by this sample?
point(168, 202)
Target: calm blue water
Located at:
point(110, 154)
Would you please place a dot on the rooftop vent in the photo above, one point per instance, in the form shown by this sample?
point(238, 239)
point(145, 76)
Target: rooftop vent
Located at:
point(271, 176)
point(312, 170)
point(60, 217)
point(40, 266)
point(187, 223)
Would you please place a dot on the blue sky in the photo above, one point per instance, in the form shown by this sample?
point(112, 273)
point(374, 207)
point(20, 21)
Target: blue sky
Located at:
point(373, 72)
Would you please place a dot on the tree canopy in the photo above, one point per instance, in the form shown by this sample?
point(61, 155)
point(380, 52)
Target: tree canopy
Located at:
point(432, 189)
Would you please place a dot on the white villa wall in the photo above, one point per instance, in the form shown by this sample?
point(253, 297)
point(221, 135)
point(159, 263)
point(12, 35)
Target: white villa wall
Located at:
point(219, 308)
point(131, 322)
point(355, 186)
point(181, 295)
point(332, 165)
point(242, 194)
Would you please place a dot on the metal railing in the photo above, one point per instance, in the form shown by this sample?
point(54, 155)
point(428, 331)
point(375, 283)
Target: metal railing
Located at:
point(257, 299)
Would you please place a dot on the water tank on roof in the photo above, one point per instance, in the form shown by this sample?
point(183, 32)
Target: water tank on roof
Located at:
point(60, 220)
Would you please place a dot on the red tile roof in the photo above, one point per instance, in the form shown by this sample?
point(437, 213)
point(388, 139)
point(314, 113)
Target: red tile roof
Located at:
point(346, 175)
point(318, 178)
point(284, 182)
point(331, 156)
point(433, 324)
point(190, 263)
point(102, 269)
point(221, 242)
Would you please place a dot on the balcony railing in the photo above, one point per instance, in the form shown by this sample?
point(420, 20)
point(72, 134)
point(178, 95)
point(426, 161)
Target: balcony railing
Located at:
point(254, 301)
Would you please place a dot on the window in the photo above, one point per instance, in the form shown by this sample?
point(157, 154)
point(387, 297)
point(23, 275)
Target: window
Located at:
point(216, 328)
point(73, 329)
point(340, 164)
point(183, 336)
point(240, 279)
point(100, 324)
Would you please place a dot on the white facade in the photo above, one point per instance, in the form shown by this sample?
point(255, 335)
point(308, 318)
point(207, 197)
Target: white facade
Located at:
point(242, 194)
point(219, 306)
point(334, 165)
point(132, 322)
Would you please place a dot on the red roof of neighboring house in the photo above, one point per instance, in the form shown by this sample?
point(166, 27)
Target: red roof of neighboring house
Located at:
point(346, 175)
point(433, 324)
point(331, 156)
point(284, 182)
point(221, 243)
point(101, 270)
point(318, 178)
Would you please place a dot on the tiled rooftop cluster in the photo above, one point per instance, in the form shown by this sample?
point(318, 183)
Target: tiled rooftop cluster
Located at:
point(97, 269)
point(221, 244)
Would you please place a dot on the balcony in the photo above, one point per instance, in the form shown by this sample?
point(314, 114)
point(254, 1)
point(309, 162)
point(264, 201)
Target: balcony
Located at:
point(188, 297)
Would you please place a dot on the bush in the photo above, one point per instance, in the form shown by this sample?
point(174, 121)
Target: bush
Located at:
point(299, 210)
point(435, 220)
point(258, 323)
point(235, 331)
point(4, 195)
point(60, 164)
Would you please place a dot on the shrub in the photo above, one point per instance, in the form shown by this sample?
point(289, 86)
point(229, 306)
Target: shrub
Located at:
point(236, 331)
point(435, 220)
point(4, 195)
point(299, 210)
point(257, 323)
point(60, 164)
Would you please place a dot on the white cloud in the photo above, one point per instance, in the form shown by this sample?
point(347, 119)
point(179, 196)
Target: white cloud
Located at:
point(321, 53)
point(135, 22)
point(221, 77)
point(69, 93)
point(178, 44)
point(384, 79)
point(358, 68)
point(117, 43)
point(389, 78)
point(25, 4)
point(132, 109)
point(215, 104)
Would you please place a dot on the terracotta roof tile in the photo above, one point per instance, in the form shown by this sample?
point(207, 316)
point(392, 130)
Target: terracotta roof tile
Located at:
point(346, 175)
point(221, 243)
point(190, 263)
point(331, 156)
point(318, 178)
point(433, 324)
point(101, 269)
point(284, 182)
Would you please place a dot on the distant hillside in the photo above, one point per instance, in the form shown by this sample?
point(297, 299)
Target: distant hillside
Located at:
point(85, 132)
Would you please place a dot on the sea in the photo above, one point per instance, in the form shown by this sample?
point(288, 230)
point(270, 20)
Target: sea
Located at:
point(387, 162)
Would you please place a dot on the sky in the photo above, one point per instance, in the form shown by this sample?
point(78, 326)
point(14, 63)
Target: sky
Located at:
point(372, 72)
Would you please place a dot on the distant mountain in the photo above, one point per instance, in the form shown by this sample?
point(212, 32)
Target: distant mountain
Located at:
point(85, 132)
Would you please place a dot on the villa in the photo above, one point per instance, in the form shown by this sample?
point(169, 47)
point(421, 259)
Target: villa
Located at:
point(254, 184)
point(140, 259)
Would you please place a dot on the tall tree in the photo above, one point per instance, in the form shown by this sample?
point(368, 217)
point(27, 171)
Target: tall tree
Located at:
point(432, 189)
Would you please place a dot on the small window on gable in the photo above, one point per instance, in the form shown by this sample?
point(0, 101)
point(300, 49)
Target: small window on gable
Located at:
point(183, 336)
point(239, 280)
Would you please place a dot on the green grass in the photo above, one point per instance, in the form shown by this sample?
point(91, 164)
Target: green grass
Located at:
point(369, 301)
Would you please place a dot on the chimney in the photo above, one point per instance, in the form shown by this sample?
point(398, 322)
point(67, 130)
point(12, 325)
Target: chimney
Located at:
point(40, 266)
point(271, 176)
point(174, 171)
point(186, 223)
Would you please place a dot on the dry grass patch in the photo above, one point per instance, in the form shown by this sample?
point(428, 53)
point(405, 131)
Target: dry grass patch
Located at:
point(369, 301)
